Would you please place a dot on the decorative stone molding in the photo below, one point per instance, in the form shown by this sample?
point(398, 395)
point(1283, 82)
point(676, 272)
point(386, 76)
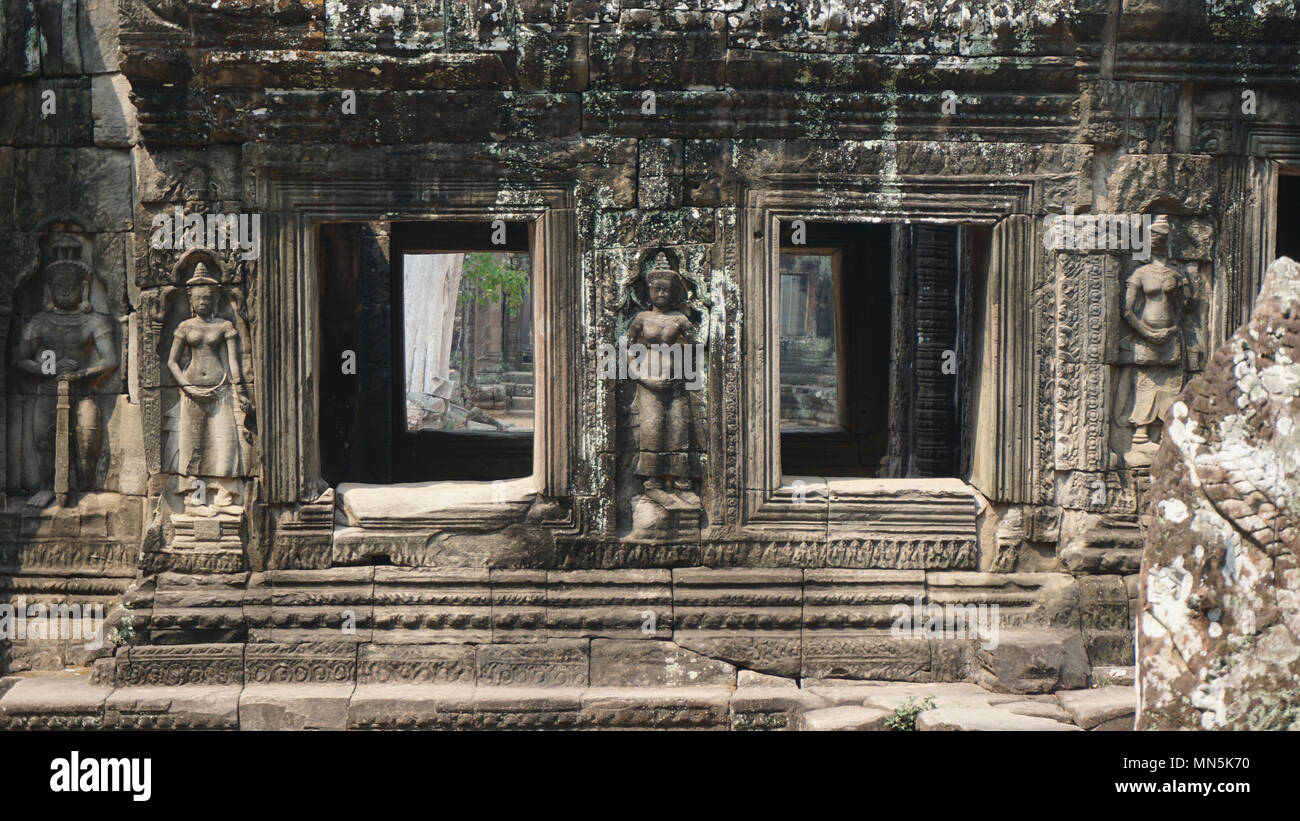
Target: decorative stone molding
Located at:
point(302, 663)
point(211, 664)
point(533, 629)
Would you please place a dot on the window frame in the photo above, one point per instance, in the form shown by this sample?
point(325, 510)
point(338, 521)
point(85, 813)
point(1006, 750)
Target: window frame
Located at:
point(792, 505)
point(848, 248)
point(295, 192)
point(412, 448)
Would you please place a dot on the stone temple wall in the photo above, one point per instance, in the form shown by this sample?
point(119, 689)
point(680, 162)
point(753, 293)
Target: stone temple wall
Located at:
point(628, 134)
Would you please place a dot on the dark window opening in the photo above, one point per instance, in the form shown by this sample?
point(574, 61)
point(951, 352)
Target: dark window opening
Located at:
point(1286, 228)
point(876, 348)
point(437, 319)
point(834, 320)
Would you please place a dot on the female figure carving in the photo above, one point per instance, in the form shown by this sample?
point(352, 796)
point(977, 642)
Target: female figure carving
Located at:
point(663, 405)
point(205, 362)
point(1153, 351)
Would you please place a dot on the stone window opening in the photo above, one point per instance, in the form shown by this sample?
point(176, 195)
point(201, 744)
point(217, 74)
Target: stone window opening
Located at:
point(877, 335)
point(484, 427)
point(1286, 215)
point(957, 256)
point(438, 315)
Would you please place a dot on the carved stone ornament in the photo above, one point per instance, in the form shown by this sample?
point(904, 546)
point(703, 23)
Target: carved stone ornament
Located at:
point(205, 361)
point(661, 348)
point(1151, 354)
point(67, 350)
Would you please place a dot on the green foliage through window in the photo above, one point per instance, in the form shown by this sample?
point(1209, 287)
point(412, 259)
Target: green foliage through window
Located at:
point(487, 277)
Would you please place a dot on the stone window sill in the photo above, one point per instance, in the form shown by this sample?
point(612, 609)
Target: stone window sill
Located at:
point(848, 508)
point(437, 505)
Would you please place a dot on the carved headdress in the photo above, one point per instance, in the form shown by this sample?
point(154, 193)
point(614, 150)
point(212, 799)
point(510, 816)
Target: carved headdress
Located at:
point(664, 266)
point(661, 268)
point(68, 266)
point(1159, 233)
point(202, 276)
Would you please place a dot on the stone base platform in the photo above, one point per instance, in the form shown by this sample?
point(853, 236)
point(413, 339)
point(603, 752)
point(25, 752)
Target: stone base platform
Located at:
point(78, 700)
point(395, 648)
point(1053, 631)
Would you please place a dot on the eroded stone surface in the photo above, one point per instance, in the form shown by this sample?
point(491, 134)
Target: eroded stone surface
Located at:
point(295, 707)
point(1033, 661)
point(53, 695)
point(979, 718)
point(890, 696)
point(212, 707)
point(1219, 625)
point(1090, 708)
point(1037, 709)
point(844, 718)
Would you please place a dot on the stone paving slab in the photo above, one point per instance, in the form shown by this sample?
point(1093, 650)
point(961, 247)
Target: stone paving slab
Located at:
point(1038, 709)
point(295, 706)
point(845, 718)
point(209, 707)
point(891, 695)
point(986, 718)
point(55, 694)
point(839, 694)
point(1124, 724)
point(1090, 708)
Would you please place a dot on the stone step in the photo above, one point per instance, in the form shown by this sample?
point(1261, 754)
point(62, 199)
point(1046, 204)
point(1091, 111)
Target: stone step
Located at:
point(817, 623)
point(986, 718)
point(79, 700)
point(1103, 708)
point(847, 717)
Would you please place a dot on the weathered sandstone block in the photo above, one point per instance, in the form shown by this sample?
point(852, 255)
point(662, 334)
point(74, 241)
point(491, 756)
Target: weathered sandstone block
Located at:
point(1218, 628)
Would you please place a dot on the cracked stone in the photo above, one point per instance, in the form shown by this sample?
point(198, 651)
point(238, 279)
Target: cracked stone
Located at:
point(845, 717)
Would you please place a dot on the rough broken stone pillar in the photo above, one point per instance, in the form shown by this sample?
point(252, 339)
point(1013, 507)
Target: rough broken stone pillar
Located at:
point(1218, 630)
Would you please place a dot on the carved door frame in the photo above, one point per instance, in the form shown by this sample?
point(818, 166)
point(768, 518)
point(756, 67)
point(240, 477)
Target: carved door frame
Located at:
point(1250, 188)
